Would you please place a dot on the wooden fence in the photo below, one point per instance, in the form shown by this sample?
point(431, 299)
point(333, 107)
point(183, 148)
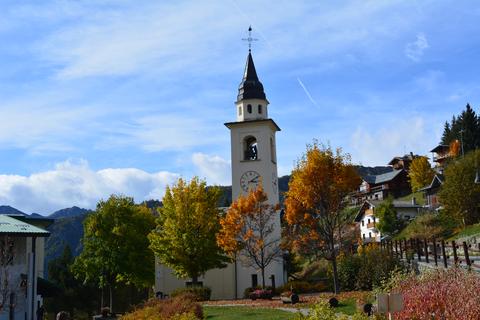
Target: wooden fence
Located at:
point(436, 253)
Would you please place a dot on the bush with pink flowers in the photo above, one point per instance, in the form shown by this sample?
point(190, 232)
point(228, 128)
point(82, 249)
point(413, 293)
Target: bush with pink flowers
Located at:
point(451, 294)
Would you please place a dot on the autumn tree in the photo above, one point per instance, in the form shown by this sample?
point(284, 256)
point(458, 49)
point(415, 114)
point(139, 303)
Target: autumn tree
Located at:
point(249, 231)
point(459, 194)
point(420, 173)
point(318, 194)
point(185, 236)
point(115, 245)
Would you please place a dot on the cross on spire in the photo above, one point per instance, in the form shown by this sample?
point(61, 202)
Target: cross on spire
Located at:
point(249, 39)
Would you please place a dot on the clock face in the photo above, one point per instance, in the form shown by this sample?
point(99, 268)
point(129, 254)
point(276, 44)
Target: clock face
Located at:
point(249, 180)
point(274, 182)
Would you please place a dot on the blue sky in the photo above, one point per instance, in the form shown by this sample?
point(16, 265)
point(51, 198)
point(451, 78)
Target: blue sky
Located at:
point(101, 97)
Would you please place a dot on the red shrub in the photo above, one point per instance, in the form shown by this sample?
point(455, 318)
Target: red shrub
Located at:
point(451, 294)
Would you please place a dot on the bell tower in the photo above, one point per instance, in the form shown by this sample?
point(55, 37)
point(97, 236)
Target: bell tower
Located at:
point(253, 143)
point(254, 162)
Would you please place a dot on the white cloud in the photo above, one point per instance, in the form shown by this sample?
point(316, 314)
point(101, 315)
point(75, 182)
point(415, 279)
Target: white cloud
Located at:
point(214, 169)
point(414, 50)
point(41, 124)
point(377, 146)
point(160, 133)
point(75, 183)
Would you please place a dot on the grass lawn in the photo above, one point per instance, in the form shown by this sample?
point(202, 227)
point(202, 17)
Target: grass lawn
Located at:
point(418, 198)
point(241, 313)
point(467, 232)
point(347, 306)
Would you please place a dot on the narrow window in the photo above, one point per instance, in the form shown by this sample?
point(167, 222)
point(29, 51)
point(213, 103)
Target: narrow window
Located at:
point(370, 235)
point(272, 151)
point(260, 108)
point(249, 108)
point(239, 111)
point(254, 280)
point(368, 221)
point(363, 223)
point(363, 235)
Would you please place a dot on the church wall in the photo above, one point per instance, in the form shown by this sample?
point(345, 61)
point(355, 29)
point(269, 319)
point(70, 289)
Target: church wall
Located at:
point(221, 281)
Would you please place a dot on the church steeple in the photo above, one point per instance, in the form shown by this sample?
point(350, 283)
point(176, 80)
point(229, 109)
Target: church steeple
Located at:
point(250, 87)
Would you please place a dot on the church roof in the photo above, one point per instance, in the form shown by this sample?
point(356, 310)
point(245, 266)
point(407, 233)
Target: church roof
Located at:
point(242, 123)
point(250, 87)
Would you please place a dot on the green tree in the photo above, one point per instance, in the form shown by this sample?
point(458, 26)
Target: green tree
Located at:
point(464, 128)
point(459, 194)
point(68, 293)
point(388, 221)
point(115, 245)
point(185, 236)
point(420, 173)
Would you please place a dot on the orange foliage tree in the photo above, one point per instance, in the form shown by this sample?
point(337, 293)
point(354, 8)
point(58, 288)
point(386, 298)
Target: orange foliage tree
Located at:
point(315, 203)
point(248, 231)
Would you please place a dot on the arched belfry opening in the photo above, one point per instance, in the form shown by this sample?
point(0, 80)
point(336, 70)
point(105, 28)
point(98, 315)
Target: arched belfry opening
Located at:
point(250, 148)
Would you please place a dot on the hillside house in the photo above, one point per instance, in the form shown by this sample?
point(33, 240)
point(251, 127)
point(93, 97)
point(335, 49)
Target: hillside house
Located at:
point(367, 221)
point(441, 153)
point(394, 183)
point(403, 162)
point(431, 192)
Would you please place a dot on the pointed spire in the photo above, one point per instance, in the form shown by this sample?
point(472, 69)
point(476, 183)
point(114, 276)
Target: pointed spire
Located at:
point(250, 87)
point(250, 73)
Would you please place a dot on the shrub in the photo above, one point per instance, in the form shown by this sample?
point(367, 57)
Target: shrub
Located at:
point(348, 267)
point(314, 271)
point(303, 287)
point(247, 292)
point(367, 269)
point(182, 307)
point(200, 293)
point(450, 294)
point(427, 225)
point(261, 294)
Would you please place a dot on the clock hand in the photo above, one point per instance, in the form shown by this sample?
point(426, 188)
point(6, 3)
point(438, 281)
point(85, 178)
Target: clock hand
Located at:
point(254, 180)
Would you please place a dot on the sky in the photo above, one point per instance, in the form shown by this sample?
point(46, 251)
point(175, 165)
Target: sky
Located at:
point(115, 96)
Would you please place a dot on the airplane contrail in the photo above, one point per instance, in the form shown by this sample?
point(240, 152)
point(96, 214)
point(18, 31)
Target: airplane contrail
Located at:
point(307, 92)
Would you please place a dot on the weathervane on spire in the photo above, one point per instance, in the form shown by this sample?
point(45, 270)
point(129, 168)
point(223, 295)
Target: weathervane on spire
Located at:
point(249, 39)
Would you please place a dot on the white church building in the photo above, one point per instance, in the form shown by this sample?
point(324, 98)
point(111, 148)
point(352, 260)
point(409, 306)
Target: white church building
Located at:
point(253, 152)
